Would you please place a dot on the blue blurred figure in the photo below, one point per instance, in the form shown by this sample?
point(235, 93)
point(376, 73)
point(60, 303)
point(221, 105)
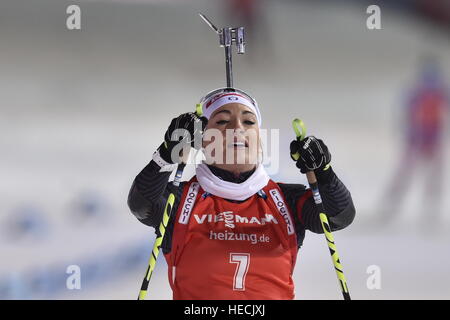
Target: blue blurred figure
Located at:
point(425, 117)
point(26, 222)
point(90, 206)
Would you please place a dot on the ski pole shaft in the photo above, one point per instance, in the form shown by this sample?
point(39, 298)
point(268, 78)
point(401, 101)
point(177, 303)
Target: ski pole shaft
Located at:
point(163, 225)
point(156, 247)
point(300, 132)
point(229, 67)
point(162, 231)
point(227, 37)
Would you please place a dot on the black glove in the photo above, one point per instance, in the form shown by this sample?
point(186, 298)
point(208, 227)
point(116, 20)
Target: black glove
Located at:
point(313, 152)
point(192, 135)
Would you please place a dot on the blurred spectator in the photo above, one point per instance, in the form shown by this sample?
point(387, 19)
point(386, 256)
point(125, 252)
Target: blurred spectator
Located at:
point(437, 11)
point(425, 115)
point(250, 14)
point(27, 221)
point(89, 206)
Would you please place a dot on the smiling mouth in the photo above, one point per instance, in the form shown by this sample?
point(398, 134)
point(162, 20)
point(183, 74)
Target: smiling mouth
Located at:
point(238, 145)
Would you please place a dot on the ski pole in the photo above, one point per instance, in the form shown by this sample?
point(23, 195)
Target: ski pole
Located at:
point(227, 37)
point(300, 132)
point(163, 225)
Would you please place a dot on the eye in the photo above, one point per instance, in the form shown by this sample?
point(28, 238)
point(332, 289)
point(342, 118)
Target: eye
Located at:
point(249, 122)
point(222, 122)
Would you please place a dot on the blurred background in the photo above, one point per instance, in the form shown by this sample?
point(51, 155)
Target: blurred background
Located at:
point(82, 111)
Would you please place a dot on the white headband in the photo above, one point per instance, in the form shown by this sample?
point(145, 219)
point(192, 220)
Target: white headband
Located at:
point(221, 99)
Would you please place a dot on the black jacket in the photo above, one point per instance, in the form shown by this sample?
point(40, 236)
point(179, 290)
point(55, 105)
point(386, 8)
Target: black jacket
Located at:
point(151, 188)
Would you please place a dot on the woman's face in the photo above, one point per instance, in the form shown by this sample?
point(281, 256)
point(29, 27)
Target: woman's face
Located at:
point(231, 138)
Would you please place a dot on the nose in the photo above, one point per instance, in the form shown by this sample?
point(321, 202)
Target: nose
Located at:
point(238, 126)
point(238, 132)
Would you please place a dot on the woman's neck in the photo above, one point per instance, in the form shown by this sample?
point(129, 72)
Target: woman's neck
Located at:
point(238, 175)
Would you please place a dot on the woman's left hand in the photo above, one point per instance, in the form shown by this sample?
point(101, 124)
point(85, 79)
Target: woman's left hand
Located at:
point(313, 152)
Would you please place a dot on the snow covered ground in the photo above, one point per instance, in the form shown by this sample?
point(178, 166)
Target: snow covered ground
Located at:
point(81, 113)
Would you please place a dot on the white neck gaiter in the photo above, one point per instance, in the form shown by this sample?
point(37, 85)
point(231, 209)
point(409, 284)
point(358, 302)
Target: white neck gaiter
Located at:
point(229, 190)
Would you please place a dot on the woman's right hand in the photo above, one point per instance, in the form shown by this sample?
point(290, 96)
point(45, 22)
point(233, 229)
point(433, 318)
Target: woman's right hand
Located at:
point(187, 128)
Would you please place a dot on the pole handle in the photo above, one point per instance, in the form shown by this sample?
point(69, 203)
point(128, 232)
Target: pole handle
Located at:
point(163, 225)
point(182, 165)
point(300, 133)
